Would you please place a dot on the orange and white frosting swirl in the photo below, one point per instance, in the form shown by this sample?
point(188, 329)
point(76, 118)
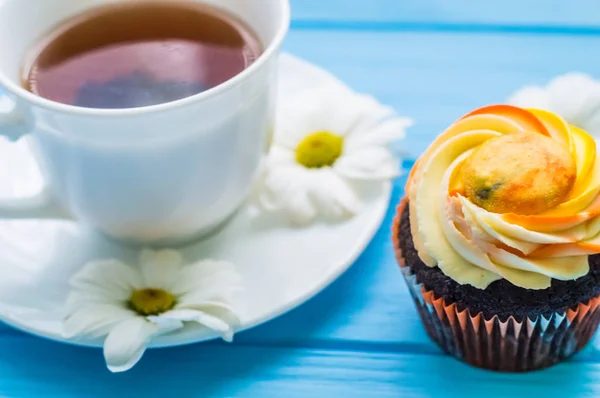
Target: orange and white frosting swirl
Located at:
point(509, 193)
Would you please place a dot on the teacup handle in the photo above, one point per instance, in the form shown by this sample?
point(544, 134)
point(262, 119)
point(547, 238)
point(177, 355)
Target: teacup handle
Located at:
point(14, 126)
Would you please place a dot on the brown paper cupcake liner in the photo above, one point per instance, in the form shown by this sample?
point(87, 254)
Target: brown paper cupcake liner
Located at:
point(511, 345)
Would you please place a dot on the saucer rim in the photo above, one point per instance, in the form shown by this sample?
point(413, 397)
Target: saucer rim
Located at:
point(170, 340)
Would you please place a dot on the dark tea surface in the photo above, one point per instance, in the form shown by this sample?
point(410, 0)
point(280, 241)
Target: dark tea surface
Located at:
point(139, 54)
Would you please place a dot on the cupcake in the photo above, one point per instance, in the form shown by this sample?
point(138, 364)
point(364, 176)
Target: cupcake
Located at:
point(498, 238)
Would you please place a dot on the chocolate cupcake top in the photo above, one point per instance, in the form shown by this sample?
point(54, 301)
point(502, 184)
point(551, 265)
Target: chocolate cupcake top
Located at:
point(508, 193)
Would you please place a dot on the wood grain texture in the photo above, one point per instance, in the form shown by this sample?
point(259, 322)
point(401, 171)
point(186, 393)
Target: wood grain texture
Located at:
point(484, 14)
point(43, 369)
point(433, 60)
point(437, 77)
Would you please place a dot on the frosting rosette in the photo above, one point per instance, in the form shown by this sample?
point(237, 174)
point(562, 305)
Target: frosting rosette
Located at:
point(509, 193)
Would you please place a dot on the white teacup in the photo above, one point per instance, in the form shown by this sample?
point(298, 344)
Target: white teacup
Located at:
point(163, 173)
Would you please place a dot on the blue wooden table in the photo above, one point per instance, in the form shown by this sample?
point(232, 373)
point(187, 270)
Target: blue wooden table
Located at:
point(432, 60)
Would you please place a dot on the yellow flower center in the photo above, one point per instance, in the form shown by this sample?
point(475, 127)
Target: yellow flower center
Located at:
point(151, 301)
point(320, 149)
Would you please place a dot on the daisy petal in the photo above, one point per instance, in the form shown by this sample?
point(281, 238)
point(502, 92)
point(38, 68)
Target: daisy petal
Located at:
point(355, 113)
point(333, 196)
point(203, 275)
point(307, 114)
point(530, 97)
point(221, 287)
point(160, 268)
point(108, 278)
point(375, 163)
point(201, 303)
point(299, 208)
point(93, 321)
point(275, 184)
point(78, 298)
point(336, 111)
point(339, 116)
point(280, 156)
point(126, 343)
point(383, 134)
point(165, 324)
point(212, 322)
point(592, 124)
point(371, 112)
point(286, 189)
point(575, 96)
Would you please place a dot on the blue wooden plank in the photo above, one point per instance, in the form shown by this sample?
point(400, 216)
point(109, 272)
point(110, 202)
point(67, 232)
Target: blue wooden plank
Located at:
point(35, 368)
point(433, 78)
point(532, 13)
point(437, 77)
point(361, 337)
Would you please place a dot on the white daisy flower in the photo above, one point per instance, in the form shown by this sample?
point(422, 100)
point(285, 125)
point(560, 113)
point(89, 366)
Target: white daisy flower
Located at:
point(574, 96)
point(131, 305)
point(325, 140)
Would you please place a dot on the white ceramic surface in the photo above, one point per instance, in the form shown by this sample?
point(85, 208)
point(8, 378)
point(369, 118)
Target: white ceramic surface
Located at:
point(281, 266)
point(163, 172)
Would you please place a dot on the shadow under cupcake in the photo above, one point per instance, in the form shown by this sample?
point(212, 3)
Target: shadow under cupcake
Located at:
point(497, 239)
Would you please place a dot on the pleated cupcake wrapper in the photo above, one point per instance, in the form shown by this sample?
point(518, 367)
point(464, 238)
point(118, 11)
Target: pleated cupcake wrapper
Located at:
point(511, 345)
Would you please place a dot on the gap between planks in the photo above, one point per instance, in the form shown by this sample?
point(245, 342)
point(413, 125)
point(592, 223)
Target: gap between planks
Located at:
point(423, 27)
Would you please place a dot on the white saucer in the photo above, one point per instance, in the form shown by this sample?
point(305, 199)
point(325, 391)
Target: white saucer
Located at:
point(281, 266)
